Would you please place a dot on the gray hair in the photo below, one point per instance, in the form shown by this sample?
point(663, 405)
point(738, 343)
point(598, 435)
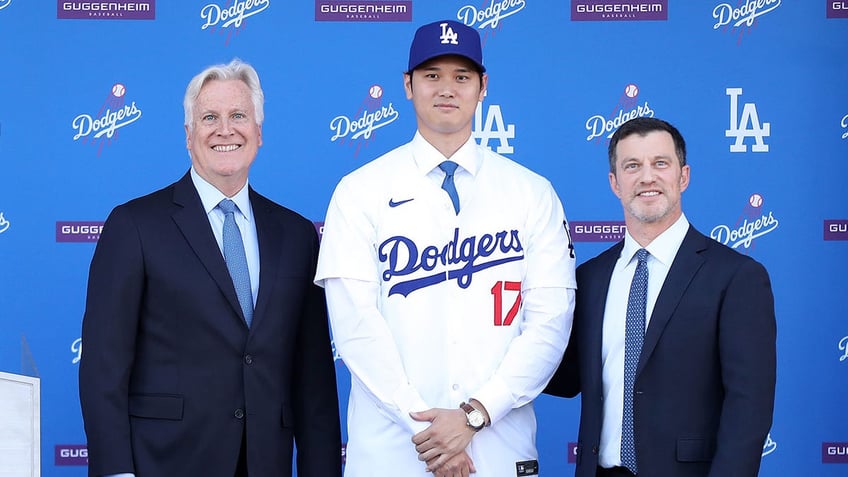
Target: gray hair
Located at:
point(235, 70)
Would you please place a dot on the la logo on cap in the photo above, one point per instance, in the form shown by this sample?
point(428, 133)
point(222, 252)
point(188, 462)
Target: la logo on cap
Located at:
point(448, 36)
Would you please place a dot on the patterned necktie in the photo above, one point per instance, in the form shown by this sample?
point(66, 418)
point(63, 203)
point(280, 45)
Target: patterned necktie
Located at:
point(236, 259)
point(634, 334)
point(450, 167)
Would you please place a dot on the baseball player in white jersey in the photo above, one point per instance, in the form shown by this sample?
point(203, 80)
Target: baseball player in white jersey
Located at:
point(450, 293)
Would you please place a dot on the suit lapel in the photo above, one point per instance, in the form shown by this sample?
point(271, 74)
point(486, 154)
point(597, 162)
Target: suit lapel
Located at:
point(270, 235)
point(596, 297)
point(194, 225)
point(686, 264)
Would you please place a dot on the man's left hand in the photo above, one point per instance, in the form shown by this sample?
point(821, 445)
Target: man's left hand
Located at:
point(447, 436)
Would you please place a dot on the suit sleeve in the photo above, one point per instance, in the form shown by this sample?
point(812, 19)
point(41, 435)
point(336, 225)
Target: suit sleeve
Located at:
point(115, 290)
point(317, 427)
point(747, 348)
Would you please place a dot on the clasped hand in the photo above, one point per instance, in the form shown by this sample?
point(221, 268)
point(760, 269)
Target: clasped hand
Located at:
point(442, 445)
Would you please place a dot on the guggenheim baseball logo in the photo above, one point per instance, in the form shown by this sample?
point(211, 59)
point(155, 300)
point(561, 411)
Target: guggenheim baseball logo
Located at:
point(78, 232)
point(618, 10)
point(629, 106)
point(597, 231)
point(363, 11)
point(111, 10)
point(753, 223)
point(836, 229)
point(837, 9)
point(834, 452)
point(71, 454)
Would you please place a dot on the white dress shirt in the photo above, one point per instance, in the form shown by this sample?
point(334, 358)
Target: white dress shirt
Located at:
point(662, 251)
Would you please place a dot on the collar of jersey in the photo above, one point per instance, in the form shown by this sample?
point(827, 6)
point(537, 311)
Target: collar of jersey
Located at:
point(428, 157)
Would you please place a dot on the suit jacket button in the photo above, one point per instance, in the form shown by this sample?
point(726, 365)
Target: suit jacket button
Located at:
point(239, 414)
point(595, 450)
point(248, 359)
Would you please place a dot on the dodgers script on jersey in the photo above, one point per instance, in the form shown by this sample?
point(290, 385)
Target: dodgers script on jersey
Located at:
point(430, 307)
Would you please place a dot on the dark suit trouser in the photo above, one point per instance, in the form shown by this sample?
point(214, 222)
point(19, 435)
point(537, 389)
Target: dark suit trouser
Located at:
point(614, 472)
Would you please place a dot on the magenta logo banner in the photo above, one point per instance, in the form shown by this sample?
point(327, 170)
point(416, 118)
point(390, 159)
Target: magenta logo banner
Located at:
point(618, 10)
point(319, 227)
point(572, 452)
point(837, 9)
point(594, 231)
point(78, 231)
point(71, 454)
point(363, 10)
point(836, 229)
point(111, 10)
point(834, 452)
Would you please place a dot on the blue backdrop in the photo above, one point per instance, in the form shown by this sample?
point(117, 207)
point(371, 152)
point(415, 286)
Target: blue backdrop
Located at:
point(91, 116)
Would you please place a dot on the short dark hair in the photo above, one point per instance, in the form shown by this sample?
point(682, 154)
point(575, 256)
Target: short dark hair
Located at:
point(643, 126)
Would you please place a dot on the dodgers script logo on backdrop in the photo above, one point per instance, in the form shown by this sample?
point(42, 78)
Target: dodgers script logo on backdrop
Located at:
point(746, 125)
point(843, 346)
point(4, 224)
point(618, 10)
point(111, 10)
point(837, 9)
point(78, 231)
point(4, 3)
point(754, 222)
point(403, 258)
point(114, 114)
point(836, 229)
point(218, 19)
point(493, 128)
point(769, 446)
point(627, 108)
point(597, 231)
point(363, 11)
point(844, 122)
point(370, 116)
point(834, 452)
point(76, 349)
point(490, 15)
point(70, 454)
point(742, 17)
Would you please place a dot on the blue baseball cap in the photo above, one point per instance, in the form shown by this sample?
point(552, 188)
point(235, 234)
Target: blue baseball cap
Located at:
point(446, 37)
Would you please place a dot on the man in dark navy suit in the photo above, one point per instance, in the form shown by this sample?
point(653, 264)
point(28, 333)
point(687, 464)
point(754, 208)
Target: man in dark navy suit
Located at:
point(689, 392)
point(207, 347)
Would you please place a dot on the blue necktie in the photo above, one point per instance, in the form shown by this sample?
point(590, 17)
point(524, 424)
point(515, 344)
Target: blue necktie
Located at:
point(236, 259)
point(634, 334)
point(450, 167)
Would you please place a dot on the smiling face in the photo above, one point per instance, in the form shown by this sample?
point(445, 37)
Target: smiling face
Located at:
point(649, 181)
point(223, 137)
point(445, 92)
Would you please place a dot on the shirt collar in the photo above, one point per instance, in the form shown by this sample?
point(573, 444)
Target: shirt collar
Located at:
point(210, 196)
point(664, 247)
point(427, 157)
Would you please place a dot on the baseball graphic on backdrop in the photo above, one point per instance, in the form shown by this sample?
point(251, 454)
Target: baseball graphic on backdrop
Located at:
point(756, 200)
point(631, 90)
point(376, 91)
point(118, 90)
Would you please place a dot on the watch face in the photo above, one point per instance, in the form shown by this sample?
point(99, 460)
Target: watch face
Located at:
point(475, 419)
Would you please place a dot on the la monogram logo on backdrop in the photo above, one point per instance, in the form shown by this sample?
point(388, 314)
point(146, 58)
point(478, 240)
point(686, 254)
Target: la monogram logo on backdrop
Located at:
point(493, 129)
point(739, 125)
